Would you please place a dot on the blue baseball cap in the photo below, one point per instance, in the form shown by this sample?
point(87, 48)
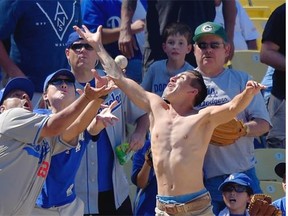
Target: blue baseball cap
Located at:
point(238, 178)
point(73, 37)
point(57, 73)
point(17, 83)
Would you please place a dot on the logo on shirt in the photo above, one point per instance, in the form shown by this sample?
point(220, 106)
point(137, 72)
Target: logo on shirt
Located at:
point(58, 19)
point(215, 96)
point(113, 22)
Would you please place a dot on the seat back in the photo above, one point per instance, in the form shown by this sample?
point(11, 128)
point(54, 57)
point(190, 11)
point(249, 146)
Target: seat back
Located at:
point(272, 4)
point(257, 11)
point(249, 61)
point(273, 189)
point(266, 160)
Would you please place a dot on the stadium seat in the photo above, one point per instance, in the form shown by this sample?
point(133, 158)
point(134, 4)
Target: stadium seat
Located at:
point(272, 4)
point(249, 61)
point(266, 160)
point(257, 11)
point(273, 189)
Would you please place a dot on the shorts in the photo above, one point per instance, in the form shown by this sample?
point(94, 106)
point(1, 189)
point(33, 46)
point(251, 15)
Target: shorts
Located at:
point(199, 205)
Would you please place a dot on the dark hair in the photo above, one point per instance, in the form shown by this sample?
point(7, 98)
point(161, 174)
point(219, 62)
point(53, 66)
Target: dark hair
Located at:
point(177, 27)
point(198, 82)
point(249, 190)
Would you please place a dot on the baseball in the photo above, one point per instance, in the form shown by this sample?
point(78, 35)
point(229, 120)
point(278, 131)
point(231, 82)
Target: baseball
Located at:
point(121, 61)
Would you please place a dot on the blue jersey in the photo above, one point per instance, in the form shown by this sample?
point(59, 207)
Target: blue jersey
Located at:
point(59, 186)
point(39, 31)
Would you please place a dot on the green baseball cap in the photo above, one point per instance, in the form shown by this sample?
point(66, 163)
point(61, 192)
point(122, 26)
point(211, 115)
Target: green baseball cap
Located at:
point(209, 28)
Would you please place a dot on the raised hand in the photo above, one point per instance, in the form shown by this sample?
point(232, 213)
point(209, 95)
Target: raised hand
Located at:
point(104, 119)
point(96, 93)
point(94, 39)
point(253, 87)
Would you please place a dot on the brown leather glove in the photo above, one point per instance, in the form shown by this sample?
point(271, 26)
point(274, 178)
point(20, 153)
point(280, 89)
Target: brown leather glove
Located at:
point(260, 205)
point(227, 133)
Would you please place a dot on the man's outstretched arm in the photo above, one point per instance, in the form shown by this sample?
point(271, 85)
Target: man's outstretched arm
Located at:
point(134, 91)
point(225, 112)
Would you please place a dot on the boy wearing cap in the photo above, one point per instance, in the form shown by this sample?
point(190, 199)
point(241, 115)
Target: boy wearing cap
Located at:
point(58, 193)
point(28, 140)
point(211, 51)
point(280, 170)
point(236, 191)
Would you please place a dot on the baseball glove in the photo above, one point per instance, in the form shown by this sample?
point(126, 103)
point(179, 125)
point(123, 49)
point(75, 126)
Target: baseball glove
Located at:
point(260, 205)
point(148, 157)
point(227, 133)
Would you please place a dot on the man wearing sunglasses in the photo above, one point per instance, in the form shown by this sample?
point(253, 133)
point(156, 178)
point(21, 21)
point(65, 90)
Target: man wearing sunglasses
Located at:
point(28, 140)
point(211, 51)
point(236, 191)
point(101, 180)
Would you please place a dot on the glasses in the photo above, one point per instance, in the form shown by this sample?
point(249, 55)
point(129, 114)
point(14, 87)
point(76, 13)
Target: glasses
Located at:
point(78, 47)
point(58, 82)
point(212, 45)
point(236, 188)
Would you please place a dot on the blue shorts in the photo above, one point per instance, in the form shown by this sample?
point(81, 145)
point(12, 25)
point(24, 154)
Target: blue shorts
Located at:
point(180, 199)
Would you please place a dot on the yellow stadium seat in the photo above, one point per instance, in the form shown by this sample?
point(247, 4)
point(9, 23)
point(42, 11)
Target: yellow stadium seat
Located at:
point(273, 189)
point(259, 23)
point(266, 160)
point(249, 61)
point(257, 11)
point(272, 4)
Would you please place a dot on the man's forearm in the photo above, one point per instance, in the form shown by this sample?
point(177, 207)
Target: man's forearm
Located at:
point(83, 120)
point(229, 15)
point(127, 11)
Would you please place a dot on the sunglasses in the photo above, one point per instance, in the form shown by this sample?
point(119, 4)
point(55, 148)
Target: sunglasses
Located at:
point(78, 47)
point(58, 82)
point(236, 188)
point(212, 45)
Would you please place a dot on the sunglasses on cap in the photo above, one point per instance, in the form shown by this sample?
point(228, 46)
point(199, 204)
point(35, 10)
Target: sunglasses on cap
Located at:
point(58, 82)
point(78, 47)
point(212, 45)
point(236, 188)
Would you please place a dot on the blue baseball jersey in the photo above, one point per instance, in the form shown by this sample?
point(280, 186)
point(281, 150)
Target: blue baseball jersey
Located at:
point(59, 186)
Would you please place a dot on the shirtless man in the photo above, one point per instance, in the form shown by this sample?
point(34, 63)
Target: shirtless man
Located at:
point(179, 134)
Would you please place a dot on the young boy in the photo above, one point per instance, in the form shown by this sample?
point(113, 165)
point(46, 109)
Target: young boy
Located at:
point(280, 170)
point(177, 39)
point(236, 192)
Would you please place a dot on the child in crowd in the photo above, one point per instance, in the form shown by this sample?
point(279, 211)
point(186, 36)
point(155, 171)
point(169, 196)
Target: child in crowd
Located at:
point(236, 192)
point(280, 170)
point(177, 39)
